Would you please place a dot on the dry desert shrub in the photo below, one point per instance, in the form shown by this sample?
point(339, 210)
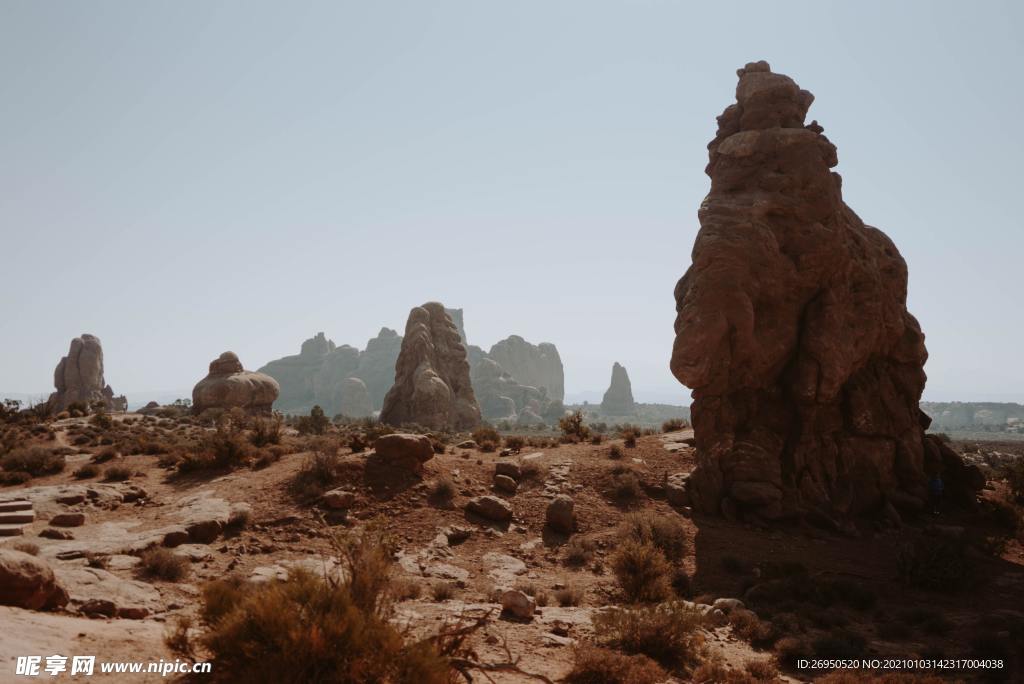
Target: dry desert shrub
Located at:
point(307, 628)
point(595, 665)
point(572, 427)
point(666, 532)
point(164, 564)
point(86, 471)
point(34, 460)
point(674, 425)
point(568, 596)
point(265, 431)
point(643, 572)
point(668, 632)
point(117, 473)
point(515, 444)
point(579, 551)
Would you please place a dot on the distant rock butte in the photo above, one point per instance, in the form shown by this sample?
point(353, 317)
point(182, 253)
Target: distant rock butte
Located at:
point(618, 399)
point(321, 372)
point(537, 366)
point(432, 386)
point(229, 386)
point(78, 377)
point(792, 328)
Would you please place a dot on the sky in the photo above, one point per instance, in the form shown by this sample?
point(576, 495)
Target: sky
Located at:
point(185, 178)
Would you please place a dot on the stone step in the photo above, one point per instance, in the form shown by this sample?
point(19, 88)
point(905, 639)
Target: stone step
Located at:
point(17, 518)
point(11, 530)
point(15, 505)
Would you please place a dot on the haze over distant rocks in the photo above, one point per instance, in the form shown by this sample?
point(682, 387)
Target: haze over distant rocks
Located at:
point(618, 399)
point(228, 385)
point(792, 327)
point(538, 365)
point(432, 386)
point(321, 374)
point(78, 377)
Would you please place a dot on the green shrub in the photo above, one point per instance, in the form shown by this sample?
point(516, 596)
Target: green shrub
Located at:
point(642, 571)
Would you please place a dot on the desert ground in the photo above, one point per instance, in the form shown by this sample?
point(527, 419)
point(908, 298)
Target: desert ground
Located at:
point(169, 505)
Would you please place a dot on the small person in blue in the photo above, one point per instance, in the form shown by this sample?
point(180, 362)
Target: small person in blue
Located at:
point(935, 488)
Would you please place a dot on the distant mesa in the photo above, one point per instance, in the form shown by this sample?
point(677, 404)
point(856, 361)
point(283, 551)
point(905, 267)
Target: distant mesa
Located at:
point(793, 332)
point(320, 374)
point(78, 378)
point(229, 386)
point(432, 386)
point(537, 366)
point(982, 416)
point(618, 399)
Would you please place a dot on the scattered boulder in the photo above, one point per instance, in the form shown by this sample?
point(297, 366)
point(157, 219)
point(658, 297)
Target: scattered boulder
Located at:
point(676, 489)
point(404, 451)
point(54, 533)
point(505, 484)
point(68, 519)
point(509, 468)
point(518, 604)
point(78, 377)
point(28, 582)
point(792, 326)
point(229, 386)
point(560, 515)
point(432, 386)
point(618, 399)
point(491, 508)
point(338, 499)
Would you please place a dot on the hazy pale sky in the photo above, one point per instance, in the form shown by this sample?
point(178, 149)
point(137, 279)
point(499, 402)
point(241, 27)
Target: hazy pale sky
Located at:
point(182, 178)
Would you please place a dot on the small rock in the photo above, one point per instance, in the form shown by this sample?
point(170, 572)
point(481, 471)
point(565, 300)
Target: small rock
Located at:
point(559, 515)
point(53, 533)
point(490, 508)
point(68, 519)
point(727, 605)
point(509, 468)
point(338, 499)
point(506, 484)
point(98, 607)
point(518, 604)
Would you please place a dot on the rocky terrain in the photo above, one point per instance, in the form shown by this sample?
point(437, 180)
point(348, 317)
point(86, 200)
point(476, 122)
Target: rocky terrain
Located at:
point(118, 549)
point(228, 386)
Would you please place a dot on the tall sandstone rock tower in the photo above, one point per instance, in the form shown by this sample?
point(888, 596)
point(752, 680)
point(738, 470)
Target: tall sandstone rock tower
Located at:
point(432, 386)
point(78, 377)
point(793, 332)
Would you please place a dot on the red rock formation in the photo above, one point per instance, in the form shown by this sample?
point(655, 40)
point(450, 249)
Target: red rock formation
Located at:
point(432, 386)
point(792, 327)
